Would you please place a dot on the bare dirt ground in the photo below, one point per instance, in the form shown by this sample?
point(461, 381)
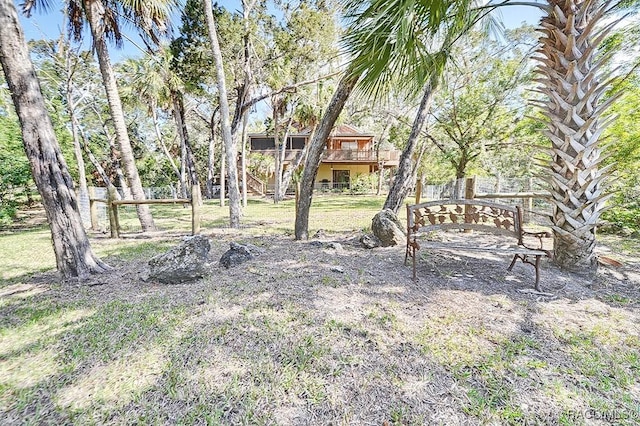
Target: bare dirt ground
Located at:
point(327, 332)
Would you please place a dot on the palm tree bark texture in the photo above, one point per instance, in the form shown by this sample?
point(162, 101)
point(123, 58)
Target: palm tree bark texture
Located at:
point(74, 257)
point(569, 74)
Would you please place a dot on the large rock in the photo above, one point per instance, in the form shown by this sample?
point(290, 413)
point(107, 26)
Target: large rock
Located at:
point(239, 253)
point(185, 262)
point(388, 229)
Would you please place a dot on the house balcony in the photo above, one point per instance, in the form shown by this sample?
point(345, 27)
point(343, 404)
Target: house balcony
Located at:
point(389, 157)
point(360, 156)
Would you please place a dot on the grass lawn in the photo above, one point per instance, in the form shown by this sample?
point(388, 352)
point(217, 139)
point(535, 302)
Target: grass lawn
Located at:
point(311, 334)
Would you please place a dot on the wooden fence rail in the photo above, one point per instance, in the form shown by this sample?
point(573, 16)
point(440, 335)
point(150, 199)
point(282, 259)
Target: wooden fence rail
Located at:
point(527, 196)
point(112, 203)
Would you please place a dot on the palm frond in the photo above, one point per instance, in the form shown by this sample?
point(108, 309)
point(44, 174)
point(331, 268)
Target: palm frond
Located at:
point(30, 6)
point(403, 42)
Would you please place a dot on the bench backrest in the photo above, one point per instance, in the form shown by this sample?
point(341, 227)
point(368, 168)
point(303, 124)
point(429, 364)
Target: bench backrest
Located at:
point(483, 216)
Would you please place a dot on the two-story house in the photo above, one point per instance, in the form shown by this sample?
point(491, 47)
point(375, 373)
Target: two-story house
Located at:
point(348, 153)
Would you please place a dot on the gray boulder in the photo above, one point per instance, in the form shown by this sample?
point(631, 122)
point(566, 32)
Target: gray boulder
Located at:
point(388, 229)
point(185, 262)
point(239, 253)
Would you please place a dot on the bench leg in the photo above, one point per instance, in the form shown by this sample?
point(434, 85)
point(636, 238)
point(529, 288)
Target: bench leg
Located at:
point(406, 252)
point(513, 262)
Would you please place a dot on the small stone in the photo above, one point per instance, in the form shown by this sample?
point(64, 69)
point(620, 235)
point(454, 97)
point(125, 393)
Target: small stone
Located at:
point(335, 246)
point(319, 234)
point(338, 269)
point(369, 241)
point(239, 253)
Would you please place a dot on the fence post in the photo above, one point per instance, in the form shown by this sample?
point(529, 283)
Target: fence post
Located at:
point(418, 189)
point(93, 209)
point(196, 200)
point(469, 194)
point(113, 211)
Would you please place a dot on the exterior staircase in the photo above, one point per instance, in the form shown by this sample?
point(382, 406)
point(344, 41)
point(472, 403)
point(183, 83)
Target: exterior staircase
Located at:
point(255, 186)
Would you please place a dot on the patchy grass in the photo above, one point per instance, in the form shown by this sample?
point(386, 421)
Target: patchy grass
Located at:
point(25, 252)
point(308, 334)
point(331, 213)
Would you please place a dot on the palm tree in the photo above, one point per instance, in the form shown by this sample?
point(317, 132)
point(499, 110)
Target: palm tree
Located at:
point(104, 19)
point(74, 257)
point(155, 84)
point(571, 80)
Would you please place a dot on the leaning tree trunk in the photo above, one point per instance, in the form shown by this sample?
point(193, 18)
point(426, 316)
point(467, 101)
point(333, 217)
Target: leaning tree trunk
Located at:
point(316, 146)
point(571, 81)
point(96, 15)
point(404, 176)
point(74, 257)
point(231, 147)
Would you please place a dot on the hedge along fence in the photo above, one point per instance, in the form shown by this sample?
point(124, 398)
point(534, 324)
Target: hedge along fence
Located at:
point(112, 202)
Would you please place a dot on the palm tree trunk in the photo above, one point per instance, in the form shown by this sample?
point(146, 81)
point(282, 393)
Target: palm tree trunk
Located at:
point(571, 81)
point(95, 15)
point(74, 257)
point(231, 148)
point(314, 152)
point(404, 175)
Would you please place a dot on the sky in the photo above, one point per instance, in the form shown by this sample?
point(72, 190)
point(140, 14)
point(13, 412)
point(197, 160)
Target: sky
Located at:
point(49, 25)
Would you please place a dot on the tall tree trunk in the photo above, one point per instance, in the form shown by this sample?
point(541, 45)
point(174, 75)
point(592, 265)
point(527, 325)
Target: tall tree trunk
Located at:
point(92, 158)
point(314, 153)
point(281, 187)
point(165, 150)
point(223, 175)
point(115, 163)
point(181, 125)
point(74, 257)
point(404, 175)
point(96, 15)
point(243, 168)
point(571, 80)
point(378, 160)
point(77, 145)
point(231, 148)
point(211, 164)
point(287, 177)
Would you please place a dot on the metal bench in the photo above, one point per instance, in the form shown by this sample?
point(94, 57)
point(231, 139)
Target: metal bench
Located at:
point(474, 215)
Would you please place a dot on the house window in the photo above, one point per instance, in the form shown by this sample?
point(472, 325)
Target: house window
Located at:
point(349, 145)
point(258, 144)
point(341, 179)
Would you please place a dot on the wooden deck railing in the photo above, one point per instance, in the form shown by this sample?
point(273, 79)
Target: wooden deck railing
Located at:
point(334, 155)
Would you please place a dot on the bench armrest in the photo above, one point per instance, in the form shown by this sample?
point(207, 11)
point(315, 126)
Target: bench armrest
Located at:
point(538, 235)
